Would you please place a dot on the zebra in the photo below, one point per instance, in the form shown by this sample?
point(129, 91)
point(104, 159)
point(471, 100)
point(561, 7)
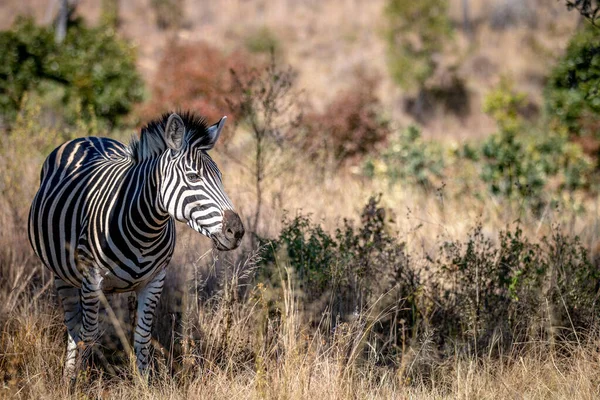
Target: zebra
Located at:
point(103, 220)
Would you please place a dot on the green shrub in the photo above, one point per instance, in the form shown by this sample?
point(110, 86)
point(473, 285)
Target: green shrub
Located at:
point(476, 286)
point(516, 164)
point(408, 158)
point(475, 293)
point(508, 170)
point(91, 69)
point(497, 292)
point(345, 273)
point(263, 40)
point(416, 30)
point(573, 89)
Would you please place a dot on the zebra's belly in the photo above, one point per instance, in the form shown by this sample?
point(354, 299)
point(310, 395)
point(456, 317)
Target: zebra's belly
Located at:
point(113, 283)
point(113, 277)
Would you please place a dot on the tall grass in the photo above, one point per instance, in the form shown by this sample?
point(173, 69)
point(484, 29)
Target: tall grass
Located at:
point(221, 332)
point(230, 348)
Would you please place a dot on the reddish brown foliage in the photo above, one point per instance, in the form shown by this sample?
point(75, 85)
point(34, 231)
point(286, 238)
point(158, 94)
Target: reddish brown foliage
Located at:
point(350, 126)
point(589, 144)
point(196, 77)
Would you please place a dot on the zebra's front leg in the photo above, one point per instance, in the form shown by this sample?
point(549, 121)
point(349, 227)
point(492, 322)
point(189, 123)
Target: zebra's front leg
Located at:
point(70, 301)
point(91, 290)
point(147, 298)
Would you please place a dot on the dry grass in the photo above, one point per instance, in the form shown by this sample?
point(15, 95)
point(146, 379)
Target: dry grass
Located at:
point(290, 363)
point(216, 336)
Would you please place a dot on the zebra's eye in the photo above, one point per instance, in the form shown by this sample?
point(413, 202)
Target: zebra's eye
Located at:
point(193, 177)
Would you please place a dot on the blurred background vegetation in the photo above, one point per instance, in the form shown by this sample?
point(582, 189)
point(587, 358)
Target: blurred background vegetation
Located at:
point(419, 179)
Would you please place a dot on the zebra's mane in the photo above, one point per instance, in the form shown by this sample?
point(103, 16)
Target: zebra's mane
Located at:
point(151, 142)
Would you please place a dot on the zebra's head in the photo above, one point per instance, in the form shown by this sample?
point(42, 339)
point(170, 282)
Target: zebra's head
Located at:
point(192, 189)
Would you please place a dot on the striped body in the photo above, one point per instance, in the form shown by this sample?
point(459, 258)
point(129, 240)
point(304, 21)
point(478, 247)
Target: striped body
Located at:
point(103, 220)
point(96, 207)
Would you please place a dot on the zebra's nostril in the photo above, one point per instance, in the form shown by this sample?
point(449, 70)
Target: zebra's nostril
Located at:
point(233, 227)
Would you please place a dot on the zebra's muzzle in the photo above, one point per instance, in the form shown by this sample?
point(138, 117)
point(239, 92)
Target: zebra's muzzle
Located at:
point(231, 233)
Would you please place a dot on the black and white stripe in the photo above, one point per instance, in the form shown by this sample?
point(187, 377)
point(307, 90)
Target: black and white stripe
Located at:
point(103, 219)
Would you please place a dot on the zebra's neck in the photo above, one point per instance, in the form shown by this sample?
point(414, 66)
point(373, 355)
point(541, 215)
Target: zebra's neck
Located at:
point(142, 215)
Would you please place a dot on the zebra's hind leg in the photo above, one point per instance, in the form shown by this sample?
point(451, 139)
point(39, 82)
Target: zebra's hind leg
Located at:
point(147, 298)
point(70, 300)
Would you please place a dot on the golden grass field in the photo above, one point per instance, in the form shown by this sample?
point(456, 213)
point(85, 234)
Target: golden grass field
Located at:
point(295, 363)
point(226, 346)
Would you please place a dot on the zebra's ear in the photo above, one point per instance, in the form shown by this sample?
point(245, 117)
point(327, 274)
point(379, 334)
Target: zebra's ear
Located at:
point(174, 131)
point(214, 132)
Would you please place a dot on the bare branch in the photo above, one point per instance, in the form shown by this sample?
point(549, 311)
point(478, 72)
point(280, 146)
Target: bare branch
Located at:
point(269, 107)
point(589, 9)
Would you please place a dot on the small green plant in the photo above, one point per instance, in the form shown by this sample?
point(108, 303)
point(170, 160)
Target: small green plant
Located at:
point(416, 30)
point(573, 89)
point(503, 105)
point(263, 40)
point(410, 159)
point(310, 250)
point(92, 67)
point(479, 277)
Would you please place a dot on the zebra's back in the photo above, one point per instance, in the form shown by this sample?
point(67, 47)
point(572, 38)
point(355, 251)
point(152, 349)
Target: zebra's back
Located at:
point(74, 179)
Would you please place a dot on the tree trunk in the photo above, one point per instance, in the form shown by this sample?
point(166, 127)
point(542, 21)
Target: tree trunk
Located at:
point(61, 21)
point(466, 9)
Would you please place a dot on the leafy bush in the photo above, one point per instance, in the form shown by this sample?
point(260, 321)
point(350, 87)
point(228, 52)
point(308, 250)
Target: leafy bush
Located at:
point(476, 293)
point(408, 158)
point(416, 31)
point(507, 169)
point(345, 273)
point(92, 69)
point(351, 126)
point(477, 298)
point(572, 92)
point(519, 165)
point(496, 292)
